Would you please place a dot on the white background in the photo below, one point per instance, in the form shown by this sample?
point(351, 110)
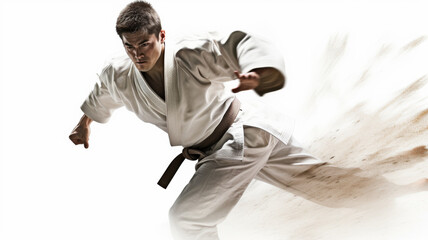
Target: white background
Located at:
point(50, 54)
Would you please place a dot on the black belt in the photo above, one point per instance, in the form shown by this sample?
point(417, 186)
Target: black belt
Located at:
point(198, 151)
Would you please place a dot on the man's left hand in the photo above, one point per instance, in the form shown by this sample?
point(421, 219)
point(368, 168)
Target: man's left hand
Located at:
point(247, 81)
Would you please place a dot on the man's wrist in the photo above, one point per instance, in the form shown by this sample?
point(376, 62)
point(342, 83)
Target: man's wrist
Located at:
point(85, 120)
point(259, 71)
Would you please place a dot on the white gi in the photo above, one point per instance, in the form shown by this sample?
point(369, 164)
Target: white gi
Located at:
point(257, 145)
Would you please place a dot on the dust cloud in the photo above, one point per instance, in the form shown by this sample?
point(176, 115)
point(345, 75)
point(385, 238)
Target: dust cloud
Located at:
point(368, 118)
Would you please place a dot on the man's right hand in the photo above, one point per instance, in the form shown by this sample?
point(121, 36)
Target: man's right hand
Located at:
point(80, 134)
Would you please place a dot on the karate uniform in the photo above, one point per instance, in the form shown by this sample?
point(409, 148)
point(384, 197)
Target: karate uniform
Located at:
point(259, 143)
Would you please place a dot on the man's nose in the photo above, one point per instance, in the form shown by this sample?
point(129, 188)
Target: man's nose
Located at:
point(139, 53)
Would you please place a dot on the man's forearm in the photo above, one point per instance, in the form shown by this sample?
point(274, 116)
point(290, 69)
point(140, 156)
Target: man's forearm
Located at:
point(270, 80)
point(260, 71)
point(266, 72)
point(85, 121)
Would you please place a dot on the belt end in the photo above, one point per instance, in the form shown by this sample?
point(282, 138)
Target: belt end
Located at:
point(163, 184)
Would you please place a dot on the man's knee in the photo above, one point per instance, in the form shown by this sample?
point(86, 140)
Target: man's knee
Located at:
point(188, 216)
point(186, 224)
point(182, 225)
point(174, 215)
point(179, 217)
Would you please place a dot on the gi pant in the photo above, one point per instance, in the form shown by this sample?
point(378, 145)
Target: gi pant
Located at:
point(218, 184)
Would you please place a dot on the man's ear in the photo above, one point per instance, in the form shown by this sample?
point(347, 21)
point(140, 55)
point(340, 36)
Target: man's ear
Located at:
point(162, 36)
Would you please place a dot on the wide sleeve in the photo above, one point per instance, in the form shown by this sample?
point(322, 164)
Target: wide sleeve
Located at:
point(102, 101)
point(250, 52)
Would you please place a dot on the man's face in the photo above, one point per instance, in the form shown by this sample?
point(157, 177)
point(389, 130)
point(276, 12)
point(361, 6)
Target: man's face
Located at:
point(143, 49)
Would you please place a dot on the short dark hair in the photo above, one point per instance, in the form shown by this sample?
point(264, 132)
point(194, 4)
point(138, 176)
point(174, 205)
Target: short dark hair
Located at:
point(136, 16)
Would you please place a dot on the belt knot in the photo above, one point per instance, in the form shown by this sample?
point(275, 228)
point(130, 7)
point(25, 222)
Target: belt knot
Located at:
point(193, 154)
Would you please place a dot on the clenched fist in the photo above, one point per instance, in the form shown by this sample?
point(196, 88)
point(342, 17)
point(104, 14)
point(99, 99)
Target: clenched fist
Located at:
point(80, 134)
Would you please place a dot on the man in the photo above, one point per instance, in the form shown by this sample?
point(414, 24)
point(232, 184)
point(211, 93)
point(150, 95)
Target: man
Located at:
point(179, 87)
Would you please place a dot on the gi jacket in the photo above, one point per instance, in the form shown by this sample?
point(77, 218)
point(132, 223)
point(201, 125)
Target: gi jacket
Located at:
point(196, 99)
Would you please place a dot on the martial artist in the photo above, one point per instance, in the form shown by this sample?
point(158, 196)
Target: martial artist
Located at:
point(179, 87)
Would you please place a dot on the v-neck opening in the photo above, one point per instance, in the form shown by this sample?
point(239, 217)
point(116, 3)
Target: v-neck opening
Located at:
point(155, 99)
point(151, 89)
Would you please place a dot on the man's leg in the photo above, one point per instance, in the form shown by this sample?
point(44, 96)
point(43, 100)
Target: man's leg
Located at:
point(216, 187)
